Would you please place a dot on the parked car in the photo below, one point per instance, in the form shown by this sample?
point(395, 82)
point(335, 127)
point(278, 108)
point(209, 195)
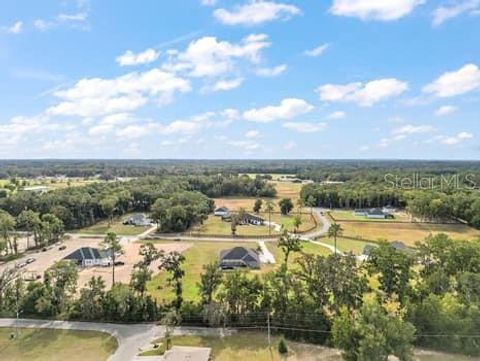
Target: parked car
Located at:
point(119, 263)
point(62, 247)
point(30, 260)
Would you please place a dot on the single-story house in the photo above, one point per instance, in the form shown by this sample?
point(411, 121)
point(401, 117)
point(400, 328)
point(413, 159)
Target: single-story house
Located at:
point(239, 257)
point(90, 257)
point(222, 212)
point(188, 353)
point(252, 219)
point(399, 246)
point(372, 213)
point(138, 220)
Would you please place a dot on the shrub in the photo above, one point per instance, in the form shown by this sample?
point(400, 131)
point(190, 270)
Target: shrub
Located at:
point(282, 347)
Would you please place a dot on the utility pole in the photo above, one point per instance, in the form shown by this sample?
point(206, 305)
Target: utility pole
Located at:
point(268, 330)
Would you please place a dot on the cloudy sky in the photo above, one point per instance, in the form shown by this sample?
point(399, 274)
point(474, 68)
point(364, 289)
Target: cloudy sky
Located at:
point(240, 79)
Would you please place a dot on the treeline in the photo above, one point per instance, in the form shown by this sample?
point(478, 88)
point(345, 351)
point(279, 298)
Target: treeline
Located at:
point(184, 199)
point(426, 205)
point(350, 195)
point(319, 170)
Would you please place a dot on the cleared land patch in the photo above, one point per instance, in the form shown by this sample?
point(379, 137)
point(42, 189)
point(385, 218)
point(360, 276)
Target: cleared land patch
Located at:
point(215, 226)
point(409, 233)
point(116, 226)
point(56, 345)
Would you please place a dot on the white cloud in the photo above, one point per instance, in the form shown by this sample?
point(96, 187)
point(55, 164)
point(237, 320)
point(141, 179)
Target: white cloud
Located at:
point(256, 12)
point(410, 129)
point(209, 57)
point(223, 85)
point(445, 110)
point(289, 145)
point(287, 109)
point(244, 144)
point(457, 82)
point(252, 134)
point(76, 21)
point(319, 50)
point(337, 115)
point(271, 72)
point(363, 94)
point(444, 13)
point(145, 57)
point(98, 97)
point(305, 127)
point(15, 28)
point(208, 2)
point(383, 10)
point(452, 140)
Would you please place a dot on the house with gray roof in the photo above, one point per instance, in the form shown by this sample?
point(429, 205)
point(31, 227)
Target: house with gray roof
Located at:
point(90, 257)
point(239, 257)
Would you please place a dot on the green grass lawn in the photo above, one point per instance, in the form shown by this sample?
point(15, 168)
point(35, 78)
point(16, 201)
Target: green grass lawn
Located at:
point(202, 253)
point(215, 226)
point(254, 346)
point(408, 233)
point(199, 254)
point(56, 345)
point(347, 245)
point(117, 226)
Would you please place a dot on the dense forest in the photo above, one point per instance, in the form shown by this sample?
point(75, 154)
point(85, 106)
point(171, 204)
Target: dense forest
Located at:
point(318, 170)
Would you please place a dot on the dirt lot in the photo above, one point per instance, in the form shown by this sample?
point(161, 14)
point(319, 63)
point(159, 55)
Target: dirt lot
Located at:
point(44, 260)
point(130, 257)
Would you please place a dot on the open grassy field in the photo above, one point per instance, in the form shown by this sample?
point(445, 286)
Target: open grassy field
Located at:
point(117, 226)
point(284, 190)
point(56, 345)
point(408, 233)
point(215, 225)
point(347, 245)
point(254, 346)
point(347, 215)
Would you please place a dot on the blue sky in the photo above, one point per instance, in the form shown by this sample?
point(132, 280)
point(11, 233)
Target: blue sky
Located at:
point(240, 79)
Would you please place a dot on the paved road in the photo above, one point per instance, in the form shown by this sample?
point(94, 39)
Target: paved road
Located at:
point(131, 338)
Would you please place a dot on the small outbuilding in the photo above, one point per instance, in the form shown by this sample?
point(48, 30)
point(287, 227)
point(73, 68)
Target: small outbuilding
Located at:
point(138, 220)
point(239, 257)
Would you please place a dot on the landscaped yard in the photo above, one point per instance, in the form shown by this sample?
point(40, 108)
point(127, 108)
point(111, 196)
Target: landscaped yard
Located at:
point(56, 345)
point(408, 233)
point(215, 226)
point(199, 254)
point(348, 215)
point(117, 226)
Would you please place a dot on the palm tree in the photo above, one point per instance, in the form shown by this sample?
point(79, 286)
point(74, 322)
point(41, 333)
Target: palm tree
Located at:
point(334, 231)
point(112, 243)
point(269, 207)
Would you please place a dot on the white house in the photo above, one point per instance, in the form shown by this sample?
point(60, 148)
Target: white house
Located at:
point(222, 212)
